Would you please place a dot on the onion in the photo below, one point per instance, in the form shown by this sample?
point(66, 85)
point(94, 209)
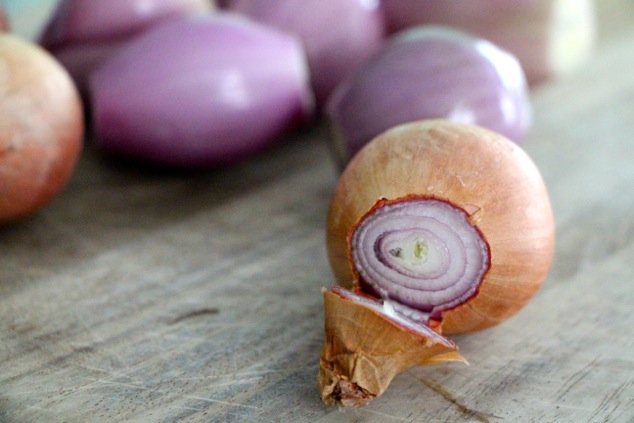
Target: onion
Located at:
point(200, 91)
point(420, 252)
point(434, 225)
point(549, 37)
point(431, 72)
point(82, 34)
point(338, 35)
point(42, 128)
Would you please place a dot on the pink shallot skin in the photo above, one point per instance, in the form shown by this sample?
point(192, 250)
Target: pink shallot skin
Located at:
point(200, 91)
point(431, 72)
point(82, 34)
point(338, 35)
point(549, 37)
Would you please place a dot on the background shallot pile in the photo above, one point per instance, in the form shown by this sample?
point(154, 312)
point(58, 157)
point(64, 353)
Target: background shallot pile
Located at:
point(187, 83)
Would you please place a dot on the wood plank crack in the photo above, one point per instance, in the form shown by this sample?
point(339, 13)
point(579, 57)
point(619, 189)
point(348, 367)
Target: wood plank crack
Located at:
point(466, 411)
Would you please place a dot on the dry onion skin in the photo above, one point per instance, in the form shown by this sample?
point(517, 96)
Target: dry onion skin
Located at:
point(41, 128)
point(434, 228)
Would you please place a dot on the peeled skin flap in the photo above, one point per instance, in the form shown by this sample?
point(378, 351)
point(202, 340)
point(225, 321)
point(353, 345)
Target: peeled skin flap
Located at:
point(365, 349)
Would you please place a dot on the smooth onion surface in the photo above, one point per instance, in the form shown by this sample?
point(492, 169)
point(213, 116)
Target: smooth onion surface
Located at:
point(82, 34)
point(41, 128)
point(549, 37)
point(487, 191)
point(431, 72)
point(200, 91)
point(338, 35)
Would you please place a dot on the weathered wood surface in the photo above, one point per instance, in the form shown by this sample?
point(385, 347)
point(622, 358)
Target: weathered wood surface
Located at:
point(140, 296)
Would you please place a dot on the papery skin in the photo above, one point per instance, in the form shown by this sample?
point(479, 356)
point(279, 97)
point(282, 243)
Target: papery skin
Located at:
point(200, 91)
point(549, 37)
point(472, 168)
point(365, 349)
point(428, 73)
point(41, 128)
point(82, 34)
point(339, 35)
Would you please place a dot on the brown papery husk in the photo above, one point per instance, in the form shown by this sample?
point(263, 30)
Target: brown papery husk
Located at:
point(475, 169)
point(364, 350)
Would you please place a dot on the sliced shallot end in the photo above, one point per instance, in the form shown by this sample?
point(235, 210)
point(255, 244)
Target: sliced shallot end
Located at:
point(367, 344)
point(423, 254)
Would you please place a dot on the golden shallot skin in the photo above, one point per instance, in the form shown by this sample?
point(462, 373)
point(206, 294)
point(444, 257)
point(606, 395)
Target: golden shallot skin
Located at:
point(357, 364)
point(430, 202)
point(41, 128)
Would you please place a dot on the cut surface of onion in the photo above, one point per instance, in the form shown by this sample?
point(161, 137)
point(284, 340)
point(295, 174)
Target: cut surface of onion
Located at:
point(421, 252)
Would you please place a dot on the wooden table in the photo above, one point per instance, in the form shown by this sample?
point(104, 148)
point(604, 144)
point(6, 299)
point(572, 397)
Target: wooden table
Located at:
point(144, 296)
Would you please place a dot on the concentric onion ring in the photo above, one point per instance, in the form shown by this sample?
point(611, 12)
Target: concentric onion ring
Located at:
point(420, 252)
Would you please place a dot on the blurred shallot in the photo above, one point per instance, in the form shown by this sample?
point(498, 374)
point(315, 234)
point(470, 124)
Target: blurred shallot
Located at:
point(338, 35)
point(549, 37)
point(41, 128)
point(82, 34)
point(200, 91)
point(425, 73)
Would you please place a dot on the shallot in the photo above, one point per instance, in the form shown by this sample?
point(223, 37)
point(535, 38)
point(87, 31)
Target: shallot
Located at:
point(82, 34)
point(200, 91)
point(434, 228)
point(338, 35)
point(431, 72)
point(549, 37)
point(42, 128)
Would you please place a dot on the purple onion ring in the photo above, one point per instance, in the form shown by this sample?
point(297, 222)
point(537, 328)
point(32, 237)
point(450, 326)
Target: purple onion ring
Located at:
point(420, 252)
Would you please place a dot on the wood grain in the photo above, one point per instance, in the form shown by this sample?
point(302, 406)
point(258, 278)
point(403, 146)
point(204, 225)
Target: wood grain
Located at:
point(144, 296)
